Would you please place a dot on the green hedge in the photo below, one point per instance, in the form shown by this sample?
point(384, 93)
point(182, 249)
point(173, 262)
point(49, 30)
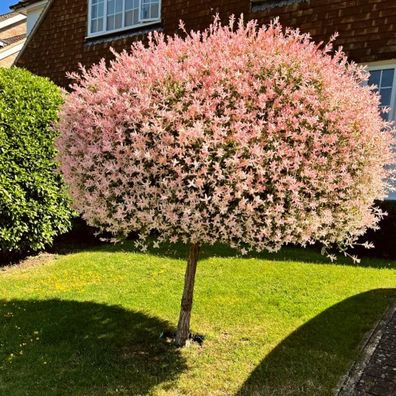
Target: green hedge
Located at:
point(34, 207)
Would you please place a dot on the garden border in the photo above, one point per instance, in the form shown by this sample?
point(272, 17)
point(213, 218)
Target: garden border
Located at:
point(347, 384)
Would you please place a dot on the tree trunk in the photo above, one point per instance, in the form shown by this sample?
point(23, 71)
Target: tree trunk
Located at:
point(183, 328)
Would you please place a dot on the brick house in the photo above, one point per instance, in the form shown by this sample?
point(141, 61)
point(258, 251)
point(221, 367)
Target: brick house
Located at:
point(12, 37)
point(73, 31)
point(69, 32)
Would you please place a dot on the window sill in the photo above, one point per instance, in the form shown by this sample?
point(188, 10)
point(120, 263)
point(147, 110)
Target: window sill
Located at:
point(261, 5)
point(122, 33)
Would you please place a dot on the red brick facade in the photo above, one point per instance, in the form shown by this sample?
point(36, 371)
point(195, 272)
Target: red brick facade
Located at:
point(367, 29)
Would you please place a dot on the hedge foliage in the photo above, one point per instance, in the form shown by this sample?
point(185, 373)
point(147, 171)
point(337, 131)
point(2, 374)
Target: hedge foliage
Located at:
point(34, 207)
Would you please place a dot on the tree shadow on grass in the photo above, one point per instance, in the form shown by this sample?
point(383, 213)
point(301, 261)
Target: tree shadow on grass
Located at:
point(82, 239)
point(312, 359)
point(178, 251)
point(57, 347)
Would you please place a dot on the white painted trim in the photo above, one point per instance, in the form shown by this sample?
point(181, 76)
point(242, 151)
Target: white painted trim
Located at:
point(381, 65)
point(13, 20)
point(110, 32)
point(390, 64)
point(123, 14)
point(141, 19)
point(31, 7)
point(36, 25)
point(106, 32)
point(8, 51)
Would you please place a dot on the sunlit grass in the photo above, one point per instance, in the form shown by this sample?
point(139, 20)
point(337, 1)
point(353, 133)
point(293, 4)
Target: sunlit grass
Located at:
point(88, 323)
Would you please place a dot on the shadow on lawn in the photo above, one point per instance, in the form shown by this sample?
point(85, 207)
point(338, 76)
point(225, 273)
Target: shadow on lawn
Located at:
point(59, 347)
point(82, 239)
point(83, 348)
point(309, 360)
point(309, 255)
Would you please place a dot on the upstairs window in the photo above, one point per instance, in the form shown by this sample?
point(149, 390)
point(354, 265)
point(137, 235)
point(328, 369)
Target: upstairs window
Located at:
point(384, 78)
point(107, 16)
point(258, 5)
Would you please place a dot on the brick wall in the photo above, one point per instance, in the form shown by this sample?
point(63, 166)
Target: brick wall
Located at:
point(367, 29)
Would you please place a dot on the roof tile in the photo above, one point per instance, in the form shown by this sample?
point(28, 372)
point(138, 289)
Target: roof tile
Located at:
point(14, 39)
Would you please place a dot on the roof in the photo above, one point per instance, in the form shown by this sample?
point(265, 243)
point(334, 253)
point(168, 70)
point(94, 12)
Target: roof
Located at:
point(24, 3)
point(14, 39)
point(9, 15)
point(11, 19)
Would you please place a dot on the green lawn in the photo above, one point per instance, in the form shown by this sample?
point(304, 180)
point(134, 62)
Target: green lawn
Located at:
point(88, 323)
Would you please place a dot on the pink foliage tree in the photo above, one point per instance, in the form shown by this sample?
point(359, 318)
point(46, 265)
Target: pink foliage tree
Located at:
point(252, 136)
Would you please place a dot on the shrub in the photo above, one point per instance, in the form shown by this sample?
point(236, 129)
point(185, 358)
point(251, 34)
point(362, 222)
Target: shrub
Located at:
point(254, 137)
point(33, 205)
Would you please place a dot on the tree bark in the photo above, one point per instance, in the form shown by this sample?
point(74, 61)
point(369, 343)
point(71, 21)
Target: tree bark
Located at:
point(183, 327)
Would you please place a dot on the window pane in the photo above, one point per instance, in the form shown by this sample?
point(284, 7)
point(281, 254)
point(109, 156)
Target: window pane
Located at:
point(132, 17)
point(375, 77)
point(101, 10)
point(387, 78)
point(94, 26)
point(129, 18)
point(150, 9)
point(145, 11)
point(110, 22)
point(114, 14)
point(100, 24)
point(132, 12)
point(386, 94)
point(118, 21)
point(97, 11)
point(155, 11)
point(118, 7)
point(129, 5)
point(110, 7)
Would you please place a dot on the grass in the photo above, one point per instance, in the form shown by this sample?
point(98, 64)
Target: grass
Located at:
point(88, 323)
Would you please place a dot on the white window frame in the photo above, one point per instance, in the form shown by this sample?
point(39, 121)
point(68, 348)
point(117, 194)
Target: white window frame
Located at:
point(142, 22)
point(147, 20)
point(259, 5)
point(392, 115)
point(384, 66)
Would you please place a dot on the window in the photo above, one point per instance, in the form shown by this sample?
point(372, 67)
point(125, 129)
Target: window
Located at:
point(384, 78)
point(107, 16)
point(258, 5)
